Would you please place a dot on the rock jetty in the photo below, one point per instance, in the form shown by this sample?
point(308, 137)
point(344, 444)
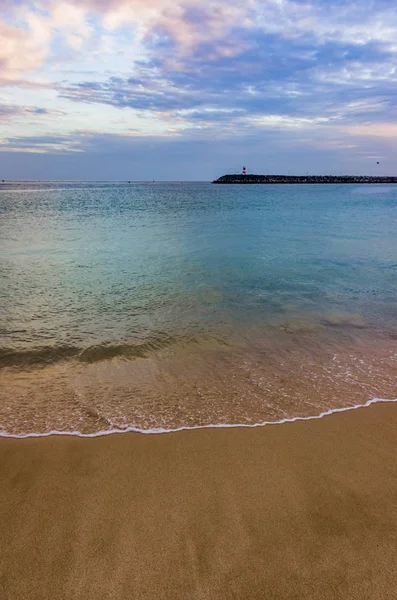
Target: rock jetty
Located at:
point(243, 179)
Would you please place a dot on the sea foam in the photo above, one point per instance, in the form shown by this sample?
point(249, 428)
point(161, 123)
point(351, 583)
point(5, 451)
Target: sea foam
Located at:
point(162, 430)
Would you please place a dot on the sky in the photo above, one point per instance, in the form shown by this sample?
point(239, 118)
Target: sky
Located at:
point(194, 89)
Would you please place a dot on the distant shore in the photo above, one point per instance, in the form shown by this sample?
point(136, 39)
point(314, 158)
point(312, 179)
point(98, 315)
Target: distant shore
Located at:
point(301, 510)
point(244, 179)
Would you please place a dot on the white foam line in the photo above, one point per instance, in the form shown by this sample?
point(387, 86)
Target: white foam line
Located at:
point(159, 430)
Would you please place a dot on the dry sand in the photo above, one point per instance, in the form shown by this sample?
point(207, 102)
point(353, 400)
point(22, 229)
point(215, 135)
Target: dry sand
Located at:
point(301, 510)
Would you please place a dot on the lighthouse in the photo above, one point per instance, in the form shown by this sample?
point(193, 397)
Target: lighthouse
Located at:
point(244, 171)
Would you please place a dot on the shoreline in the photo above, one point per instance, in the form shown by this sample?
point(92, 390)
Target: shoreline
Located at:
point(161, 431)
point(304, 511)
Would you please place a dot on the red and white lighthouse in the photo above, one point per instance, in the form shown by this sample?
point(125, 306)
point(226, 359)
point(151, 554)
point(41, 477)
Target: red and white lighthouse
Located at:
point(244, 172)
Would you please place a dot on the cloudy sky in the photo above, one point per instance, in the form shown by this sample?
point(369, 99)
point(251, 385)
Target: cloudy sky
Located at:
point(193, 89)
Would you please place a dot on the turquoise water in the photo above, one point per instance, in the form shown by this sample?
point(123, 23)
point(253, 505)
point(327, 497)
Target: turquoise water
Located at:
point(204, 277)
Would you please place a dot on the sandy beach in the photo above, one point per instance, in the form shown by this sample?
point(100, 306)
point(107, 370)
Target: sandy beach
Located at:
point(300, 510)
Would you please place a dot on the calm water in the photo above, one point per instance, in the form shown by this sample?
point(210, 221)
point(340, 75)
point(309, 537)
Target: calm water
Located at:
point(183, 304)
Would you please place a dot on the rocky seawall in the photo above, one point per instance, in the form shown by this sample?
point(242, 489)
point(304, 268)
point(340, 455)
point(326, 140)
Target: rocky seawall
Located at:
point(244, 179)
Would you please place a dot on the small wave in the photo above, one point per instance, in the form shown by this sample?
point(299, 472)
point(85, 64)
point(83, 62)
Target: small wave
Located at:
point(11, 331)
point(46, 355)
point(162, 430)
point(37, 356)
point(375, 189)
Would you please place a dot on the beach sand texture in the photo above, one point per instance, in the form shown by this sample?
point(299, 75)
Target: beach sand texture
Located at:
point(301, 510)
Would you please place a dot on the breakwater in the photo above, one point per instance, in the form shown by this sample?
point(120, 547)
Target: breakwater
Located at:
point(244, 179)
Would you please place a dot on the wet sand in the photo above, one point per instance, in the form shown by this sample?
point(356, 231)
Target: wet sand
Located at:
point(300, 510)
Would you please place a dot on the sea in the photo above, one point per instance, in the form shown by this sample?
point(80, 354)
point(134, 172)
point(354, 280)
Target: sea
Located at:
point(155, 307)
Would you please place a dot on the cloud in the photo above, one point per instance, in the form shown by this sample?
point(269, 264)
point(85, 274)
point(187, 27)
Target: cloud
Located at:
point(8, 111)
point(22, 49)
point(319, 72)
point(31, 33)
point(41, 144)
point(274, 84)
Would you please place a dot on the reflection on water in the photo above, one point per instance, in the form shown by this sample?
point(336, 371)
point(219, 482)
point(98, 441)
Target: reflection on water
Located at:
point(180, 304)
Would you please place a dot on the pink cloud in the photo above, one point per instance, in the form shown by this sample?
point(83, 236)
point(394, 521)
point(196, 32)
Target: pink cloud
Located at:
point(23, 49)
point(28, 29)
point(187, 23)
